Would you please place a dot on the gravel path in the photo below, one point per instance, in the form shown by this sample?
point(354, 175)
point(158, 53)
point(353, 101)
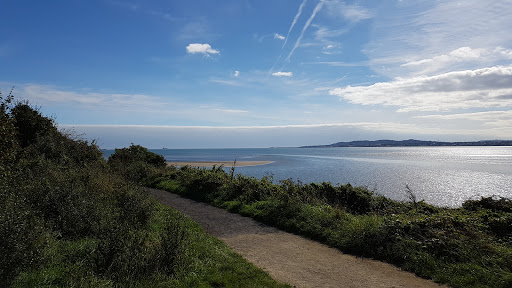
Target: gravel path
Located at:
point(287, 257)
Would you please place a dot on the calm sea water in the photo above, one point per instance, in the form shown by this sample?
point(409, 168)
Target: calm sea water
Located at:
point(443, 176)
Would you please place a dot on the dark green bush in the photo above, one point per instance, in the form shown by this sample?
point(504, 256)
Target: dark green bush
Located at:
point(491, 203)
point(136, 153)
point(136, 163)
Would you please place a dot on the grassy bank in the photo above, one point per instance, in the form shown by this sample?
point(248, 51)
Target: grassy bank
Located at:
point(68, 218)
point(469, 246)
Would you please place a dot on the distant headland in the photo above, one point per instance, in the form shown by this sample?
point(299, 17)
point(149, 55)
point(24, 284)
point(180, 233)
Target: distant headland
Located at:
point(412, 143)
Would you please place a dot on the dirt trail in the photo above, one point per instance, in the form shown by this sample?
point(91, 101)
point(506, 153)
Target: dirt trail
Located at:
point(290, 258)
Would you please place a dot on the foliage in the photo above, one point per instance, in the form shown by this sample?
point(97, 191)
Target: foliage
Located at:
point(469, 246)
point(136, 153)
point(67, 221)
point(135, 162)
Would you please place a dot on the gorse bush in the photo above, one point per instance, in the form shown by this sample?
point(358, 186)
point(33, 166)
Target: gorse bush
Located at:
point(70, 219)
point(469, 246)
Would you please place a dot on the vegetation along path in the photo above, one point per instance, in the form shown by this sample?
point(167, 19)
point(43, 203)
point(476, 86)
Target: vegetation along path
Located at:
point(290, 258)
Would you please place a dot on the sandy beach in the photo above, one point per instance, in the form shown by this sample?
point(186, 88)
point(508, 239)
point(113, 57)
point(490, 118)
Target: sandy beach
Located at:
point(217, 163)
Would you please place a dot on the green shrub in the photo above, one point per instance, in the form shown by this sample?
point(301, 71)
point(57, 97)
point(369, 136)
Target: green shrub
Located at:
point(136, 153)
point(23, 236)
point(491, 203)
point(136, 163)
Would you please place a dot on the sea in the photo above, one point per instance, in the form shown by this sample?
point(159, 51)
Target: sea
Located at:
point(442, 176)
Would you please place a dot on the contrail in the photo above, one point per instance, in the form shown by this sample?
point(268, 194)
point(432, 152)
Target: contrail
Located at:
point(317, 8)
point(294, 21)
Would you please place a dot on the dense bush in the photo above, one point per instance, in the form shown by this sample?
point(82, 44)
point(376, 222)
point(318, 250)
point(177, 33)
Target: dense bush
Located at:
point(67, 221)
point(135, 162)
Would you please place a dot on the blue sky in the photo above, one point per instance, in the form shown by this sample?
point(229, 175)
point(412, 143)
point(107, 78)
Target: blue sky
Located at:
point(260, 73)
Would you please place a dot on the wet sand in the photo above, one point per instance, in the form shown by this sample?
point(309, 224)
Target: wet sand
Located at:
point(217, 163)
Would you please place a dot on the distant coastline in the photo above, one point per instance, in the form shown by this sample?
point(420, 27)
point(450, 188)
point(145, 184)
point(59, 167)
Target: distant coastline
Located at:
point(412, 143)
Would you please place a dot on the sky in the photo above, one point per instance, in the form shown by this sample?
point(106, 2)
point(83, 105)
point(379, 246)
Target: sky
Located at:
point(262, 73)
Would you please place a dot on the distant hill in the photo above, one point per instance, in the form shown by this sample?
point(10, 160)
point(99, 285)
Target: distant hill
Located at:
point(412, 143)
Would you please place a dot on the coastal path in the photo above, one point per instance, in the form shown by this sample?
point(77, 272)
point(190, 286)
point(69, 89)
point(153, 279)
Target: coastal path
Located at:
point(287, 257)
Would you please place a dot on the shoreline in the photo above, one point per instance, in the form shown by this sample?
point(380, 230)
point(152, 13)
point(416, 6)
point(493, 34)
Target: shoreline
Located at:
point(217, 163)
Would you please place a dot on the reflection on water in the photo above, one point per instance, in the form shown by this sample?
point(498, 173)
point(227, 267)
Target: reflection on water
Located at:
point(444, 176)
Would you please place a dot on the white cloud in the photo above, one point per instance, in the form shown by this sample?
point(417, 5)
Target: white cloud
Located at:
point(236, 74)
point(481, 88)
point(284, 74)
point(277, 36)
point(201, 48)
point(330, 49)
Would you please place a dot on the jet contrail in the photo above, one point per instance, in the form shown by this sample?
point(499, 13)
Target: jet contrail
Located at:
point(317, 8)
point(294, 21)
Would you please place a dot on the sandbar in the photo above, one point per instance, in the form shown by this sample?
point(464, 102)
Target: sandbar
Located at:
point(217, 163)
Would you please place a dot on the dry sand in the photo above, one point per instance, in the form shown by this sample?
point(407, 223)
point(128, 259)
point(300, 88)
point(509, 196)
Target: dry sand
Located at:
point(217, 163)
point(290, 258)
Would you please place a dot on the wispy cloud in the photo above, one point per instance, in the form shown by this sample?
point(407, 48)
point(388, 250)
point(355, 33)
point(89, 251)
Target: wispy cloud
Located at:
point(282, 74)
point(341, 64)
point(352, 13)
point(277, 36)
point(47, 94)
point(324, 33)
point(480, 116)
point(318, 7)
point(463, 55)
point(488, 120)
point(234, 83)
point(481, 88)
point(205, 49)
point(154, 136)
point(295, 21)
point(421, 31)
point(231, 110)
